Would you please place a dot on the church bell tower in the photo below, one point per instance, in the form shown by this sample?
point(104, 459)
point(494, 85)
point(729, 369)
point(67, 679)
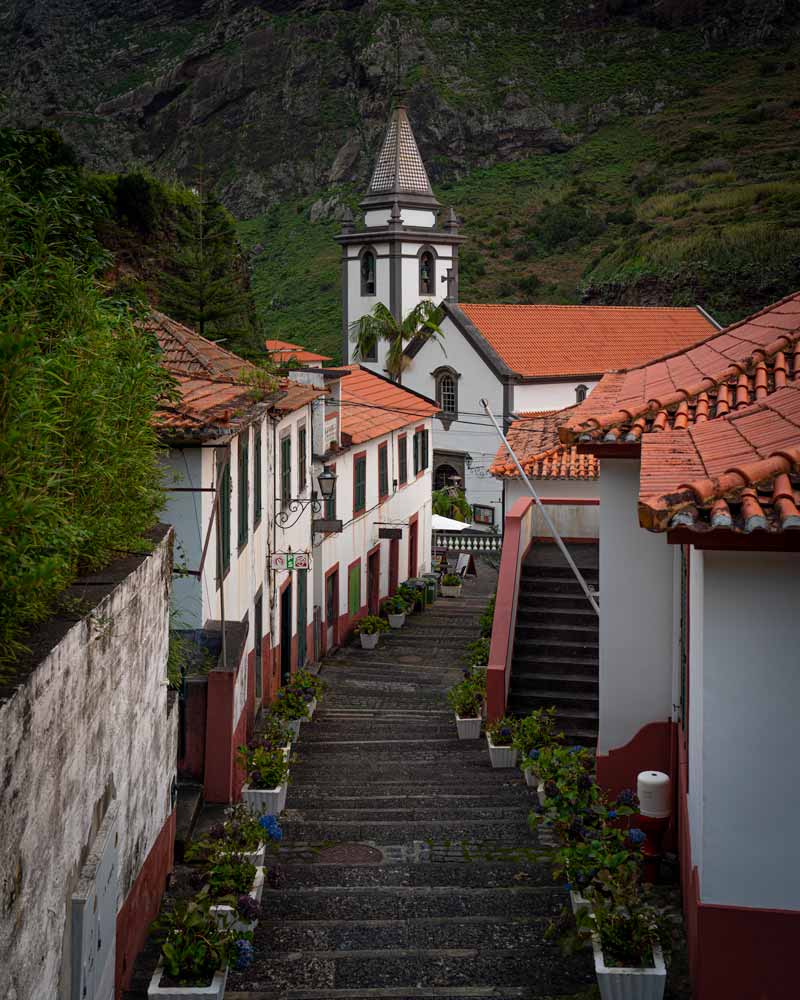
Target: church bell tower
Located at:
point(400, 255)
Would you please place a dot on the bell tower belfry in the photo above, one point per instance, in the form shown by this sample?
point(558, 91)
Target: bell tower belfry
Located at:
point(400, 256)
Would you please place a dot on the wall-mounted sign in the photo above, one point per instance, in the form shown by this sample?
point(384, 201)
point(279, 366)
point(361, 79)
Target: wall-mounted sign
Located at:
point(390, 532)
point(282, 561)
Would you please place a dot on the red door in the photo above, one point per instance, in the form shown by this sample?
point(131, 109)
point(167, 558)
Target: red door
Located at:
point(412, 549)
point(374, 582)
point(394, 565)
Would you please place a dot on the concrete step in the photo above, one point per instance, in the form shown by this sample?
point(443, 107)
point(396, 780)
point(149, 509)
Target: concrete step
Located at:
point(565, 702)
point(543, 632)
point(538, 679)
point(471, 874)
point(534, 594)
point(384, 832)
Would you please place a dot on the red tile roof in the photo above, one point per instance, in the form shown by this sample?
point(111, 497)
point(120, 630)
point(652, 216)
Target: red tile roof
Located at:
point(281, 351)
point(213, 397)
point(719, 426)
point(534, 439)
point(555, 340)
point(373, 406)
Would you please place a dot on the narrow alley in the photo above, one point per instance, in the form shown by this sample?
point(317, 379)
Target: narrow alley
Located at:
point(407, 868)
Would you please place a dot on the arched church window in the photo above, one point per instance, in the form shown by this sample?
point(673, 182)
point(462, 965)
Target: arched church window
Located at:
point(446, 393)
point(580, 393)
point(368, 273)
point(446, 478)
point(427, 273)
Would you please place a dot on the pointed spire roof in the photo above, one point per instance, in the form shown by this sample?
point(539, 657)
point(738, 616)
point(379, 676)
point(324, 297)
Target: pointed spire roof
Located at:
point(399, 173)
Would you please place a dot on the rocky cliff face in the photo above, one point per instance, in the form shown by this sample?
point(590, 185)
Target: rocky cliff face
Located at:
point(279, 98)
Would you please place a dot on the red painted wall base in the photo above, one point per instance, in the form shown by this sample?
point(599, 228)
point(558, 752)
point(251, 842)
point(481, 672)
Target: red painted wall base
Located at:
point(650, 749)
point(141, 905)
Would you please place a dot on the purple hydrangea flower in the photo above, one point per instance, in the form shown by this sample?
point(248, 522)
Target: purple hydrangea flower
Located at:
point(244, 954)
point(612, 814)
point(584, 781)
point(637, 836)
point(533, 754)
point(576, 749)
point(625, 798)
point(248, 908)
point(550, 789)
point(272, 827)
point(505, 731)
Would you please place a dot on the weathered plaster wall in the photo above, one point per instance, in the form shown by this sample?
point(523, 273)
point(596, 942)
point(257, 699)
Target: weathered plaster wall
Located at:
point(89, 724)
point(572, 520)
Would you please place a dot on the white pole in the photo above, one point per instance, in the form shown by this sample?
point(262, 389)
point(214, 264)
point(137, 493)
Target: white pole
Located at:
point(559, 541)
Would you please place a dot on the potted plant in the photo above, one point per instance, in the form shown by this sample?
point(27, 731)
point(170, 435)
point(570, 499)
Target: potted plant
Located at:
point(412, 596)
point(291, 707)
point(196, 952)
point(239, 833)
point(310, 687)
point(395, 610)
point(369, 630)
point(533, 733)
point(267, 780)
point(465, 699)
point(451, 585)
point(626, 933)
point(500, 737)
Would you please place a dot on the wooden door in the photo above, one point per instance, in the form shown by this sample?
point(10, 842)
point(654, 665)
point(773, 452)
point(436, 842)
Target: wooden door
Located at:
point(394, 565)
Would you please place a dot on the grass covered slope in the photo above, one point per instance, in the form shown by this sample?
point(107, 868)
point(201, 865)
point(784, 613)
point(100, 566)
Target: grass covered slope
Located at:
point(698, 202)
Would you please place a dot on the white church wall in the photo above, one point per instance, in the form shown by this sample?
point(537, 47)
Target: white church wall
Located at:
point(415, 218)
point(535, 396)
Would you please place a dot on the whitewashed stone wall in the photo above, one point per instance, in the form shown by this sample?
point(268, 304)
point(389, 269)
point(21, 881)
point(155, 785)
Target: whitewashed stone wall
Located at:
point(88, 725)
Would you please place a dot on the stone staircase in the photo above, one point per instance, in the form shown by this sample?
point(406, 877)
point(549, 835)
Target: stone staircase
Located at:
point(555, 659)
point(407, 868)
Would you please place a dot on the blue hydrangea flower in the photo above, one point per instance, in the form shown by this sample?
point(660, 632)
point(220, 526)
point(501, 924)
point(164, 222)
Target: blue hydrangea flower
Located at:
point(505, 731)
point(272, 827)
point(625, 798)
point(568, 886)
point(576, 749)
point(244, 954)
point(637, 836)
point(612, 813)
point(533, 754)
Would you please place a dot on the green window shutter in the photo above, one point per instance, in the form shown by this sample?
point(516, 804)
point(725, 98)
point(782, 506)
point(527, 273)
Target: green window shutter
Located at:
point(257, 479)
point(301, 460)
point(383, 470)
point(286, 469)
point(224, 548)
point(360, 487)
point(244, 490)
point(402, 460)
point(354, 590)
point(416, 453)
point(425, 449)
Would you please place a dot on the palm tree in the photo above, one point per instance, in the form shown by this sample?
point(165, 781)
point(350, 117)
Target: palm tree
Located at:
point(422, 322)
point(451, 502)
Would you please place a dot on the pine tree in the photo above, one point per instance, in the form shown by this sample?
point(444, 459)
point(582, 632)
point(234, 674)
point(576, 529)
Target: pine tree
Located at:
point(201, 286)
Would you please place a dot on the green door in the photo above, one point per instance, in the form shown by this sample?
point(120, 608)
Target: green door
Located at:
point(301, 616)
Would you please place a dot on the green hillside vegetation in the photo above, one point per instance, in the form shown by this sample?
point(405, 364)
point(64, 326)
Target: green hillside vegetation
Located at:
point(697, 203)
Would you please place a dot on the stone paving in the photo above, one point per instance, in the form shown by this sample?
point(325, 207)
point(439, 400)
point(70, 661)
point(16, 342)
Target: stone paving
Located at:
point(407, 868)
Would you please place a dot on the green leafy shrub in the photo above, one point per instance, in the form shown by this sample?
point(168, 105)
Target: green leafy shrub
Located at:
point(465, 700)
point(477, 652)
point(487, 618)
point(265, 768)
point(536, 731)
point(371, 624)
point(79, 386)
point(502, 731)
point(451, 580)
point(289, 704)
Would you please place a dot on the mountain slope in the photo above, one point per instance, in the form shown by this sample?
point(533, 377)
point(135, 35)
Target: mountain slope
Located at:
point(590, 106)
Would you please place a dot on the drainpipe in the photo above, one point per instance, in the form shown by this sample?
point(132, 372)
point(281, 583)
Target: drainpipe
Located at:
point(590, 594)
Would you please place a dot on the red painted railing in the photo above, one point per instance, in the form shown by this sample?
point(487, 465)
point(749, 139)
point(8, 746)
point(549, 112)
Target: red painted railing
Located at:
point(517, 538)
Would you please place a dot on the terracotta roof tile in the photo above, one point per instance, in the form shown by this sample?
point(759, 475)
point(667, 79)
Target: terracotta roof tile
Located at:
point(186, 351)
point(373, 406)
point(534, 439)
point(540, 340)
point(281, 351)
point(295, 395)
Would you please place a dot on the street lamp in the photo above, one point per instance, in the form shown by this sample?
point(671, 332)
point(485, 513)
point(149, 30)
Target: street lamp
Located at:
point(291, 509)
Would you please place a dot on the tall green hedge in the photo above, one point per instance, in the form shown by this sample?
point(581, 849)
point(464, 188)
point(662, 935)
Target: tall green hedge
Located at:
point(79, 477)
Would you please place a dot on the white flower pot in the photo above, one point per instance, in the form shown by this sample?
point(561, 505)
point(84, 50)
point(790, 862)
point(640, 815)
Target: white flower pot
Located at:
point(397, 621)
point(629, 984)
point(540, 793)
point(227, 916)
point(312, 707)
point(287, 751)
point(214, 991)
point(577, 902)
point(501, 756)
point(264, 801)
point(531, 777)
point(369, 641)
point(451, 591)
point(293, 725)
point(468, 729)
point(256, 857)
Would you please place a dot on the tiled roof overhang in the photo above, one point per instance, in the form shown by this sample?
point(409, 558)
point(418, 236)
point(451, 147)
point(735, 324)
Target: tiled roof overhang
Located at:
point(718, 427)
point(534, 439)
point(373, 405)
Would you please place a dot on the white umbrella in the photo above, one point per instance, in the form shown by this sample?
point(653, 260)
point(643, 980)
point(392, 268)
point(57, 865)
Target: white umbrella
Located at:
point(439, 523)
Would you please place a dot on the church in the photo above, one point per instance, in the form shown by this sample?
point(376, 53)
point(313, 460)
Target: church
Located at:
point(522, 359)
